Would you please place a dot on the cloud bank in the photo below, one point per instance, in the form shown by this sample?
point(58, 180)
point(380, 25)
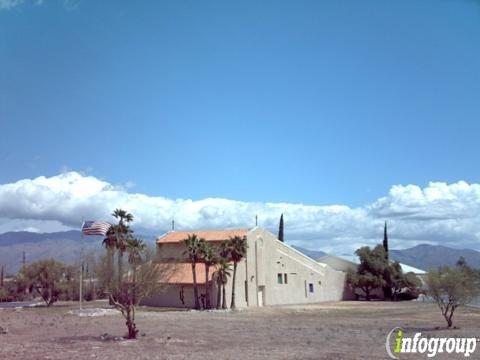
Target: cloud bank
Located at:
point(11, 4)
point(440, 213)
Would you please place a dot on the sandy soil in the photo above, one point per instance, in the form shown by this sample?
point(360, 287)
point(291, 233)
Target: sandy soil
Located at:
point(343, 330)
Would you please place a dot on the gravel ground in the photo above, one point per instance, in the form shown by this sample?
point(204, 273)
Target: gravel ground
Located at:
point(342, 330)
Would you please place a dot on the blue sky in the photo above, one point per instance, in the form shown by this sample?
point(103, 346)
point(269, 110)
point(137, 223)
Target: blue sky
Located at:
point(313, 102)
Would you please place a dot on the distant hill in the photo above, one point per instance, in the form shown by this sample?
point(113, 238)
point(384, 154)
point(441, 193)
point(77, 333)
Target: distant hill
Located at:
point(427, 257)
point(21, 237)
point(66, 246)
point(314, 254)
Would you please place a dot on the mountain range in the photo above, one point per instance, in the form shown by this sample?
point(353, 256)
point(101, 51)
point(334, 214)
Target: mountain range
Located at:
point(67, 245)
point(427, 257)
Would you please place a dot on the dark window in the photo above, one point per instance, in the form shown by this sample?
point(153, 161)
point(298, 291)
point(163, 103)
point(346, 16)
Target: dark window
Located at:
point(280, 278)
point(285, 280)
point(310, 287)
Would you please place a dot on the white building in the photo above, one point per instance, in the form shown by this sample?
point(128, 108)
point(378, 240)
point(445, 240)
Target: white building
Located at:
point(272, 273)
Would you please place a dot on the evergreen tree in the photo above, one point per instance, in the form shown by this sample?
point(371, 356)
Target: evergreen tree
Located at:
point(385, 240)
point(387, 289)
point(370, 271)
point(280, 229)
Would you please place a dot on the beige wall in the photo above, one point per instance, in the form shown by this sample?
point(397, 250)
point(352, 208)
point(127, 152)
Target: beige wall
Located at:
point(171, 251)
point(170, 296)
point(267, 257)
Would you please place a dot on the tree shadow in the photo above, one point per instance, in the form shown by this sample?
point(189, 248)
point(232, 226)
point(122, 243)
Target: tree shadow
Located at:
point(70, 339)
point(80, 338)
point(409, 329)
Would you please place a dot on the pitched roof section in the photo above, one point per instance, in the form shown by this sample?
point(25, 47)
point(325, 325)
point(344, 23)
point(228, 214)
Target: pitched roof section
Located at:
point(181, 273)
point(336, 263)
point(208, 235)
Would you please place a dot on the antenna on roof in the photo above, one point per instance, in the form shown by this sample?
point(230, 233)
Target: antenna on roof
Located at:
point(173, 225)
point(256, 220)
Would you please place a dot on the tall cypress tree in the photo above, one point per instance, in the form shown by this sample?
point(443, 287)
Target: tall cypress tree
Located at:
point(385, 240)
point(387, 290)
point(280, 229)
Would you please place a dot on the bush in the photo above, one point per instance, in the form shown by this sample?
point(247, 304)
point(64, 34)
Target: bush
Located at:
point(453, 287)
point(45, 277)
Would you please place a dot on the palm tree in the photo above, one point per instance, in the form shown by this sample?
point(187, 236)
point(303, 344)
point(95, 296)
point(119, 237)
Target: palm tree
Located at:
point(235, 249)
point(209, 257)
point(123, 215)
point(123, 233)
point(221, 276)
point(110, 243)
point(135, 249)
point(193, 244)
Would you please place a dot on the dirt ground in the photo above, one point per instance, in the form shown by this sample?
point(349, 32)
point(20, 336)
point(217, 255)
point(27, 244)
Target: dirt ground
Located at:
point(342, 330)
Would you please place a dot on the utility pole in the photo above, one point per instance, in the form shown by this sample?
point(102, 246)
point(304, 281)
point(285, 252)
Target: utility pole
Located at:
point(80, 297)
point(24, 261)
point(1, 277)
point(173, 225)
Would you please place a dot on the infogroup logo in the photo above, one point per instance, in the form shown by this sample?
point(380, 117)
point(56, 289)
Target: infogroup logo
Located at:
point(397, 343)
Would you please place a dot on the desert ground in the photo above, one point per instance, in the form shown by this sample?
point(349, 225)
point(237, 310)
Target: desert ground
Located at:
point(341, 330)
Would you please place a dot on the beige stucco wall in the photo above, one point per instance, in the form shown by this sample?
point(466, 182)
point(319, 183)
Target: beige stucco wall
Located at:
point(171, 251)
point(169, 296)
point(267, 257)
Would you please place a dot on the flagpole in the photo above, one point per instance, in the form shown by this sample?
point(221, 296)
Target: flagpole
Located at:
point(81, 267)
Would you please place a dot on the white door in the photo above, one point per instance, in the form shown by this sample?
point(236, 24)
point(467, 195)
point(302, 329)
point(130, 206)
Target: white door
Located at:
point(260, 293)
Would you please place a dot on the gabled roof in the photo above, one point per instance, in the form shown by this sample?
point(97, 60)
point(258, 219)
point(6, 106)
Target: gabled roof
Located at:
point(208, 235)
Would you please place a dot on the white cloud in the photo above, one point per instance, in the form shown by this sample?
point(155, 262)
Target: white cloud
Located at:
point(39, 226)
point(439, 213)
point(9, 4)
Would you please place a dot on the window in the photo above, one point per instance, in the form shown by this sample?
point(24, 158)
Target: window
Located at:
point(310, 288)
point(280, 278)
point(285, 279)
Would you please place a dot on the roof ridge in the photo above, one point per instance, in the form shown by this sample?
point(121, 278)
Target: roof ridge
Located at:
point(209, 235)
point(190, 231)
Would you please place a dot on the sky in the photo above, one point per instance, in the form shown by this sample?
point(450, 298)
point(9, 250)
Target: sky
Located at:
point(340, 114)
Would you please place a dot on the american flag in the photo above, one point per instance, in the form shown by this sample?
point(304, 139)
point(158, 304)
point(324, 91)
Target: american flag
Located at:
point(95, 228)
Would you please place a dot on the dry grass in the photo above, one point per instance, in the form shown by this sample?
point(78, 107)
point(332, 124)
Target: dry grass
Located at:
point(342, 330)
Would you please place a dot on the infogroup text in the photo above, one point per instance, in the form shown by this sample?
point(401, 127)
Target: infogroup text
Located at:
point(397, 343)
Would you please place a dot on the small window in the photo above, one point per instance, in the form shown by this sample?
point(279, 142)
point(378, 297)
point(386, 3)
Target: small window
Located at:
point(285, 279)
point(310, 288)
point(280, 278)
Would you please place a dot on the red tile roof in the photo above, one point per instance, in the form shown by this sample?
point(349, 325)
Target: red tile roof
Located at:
point(208, 235)
point(181, 273)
